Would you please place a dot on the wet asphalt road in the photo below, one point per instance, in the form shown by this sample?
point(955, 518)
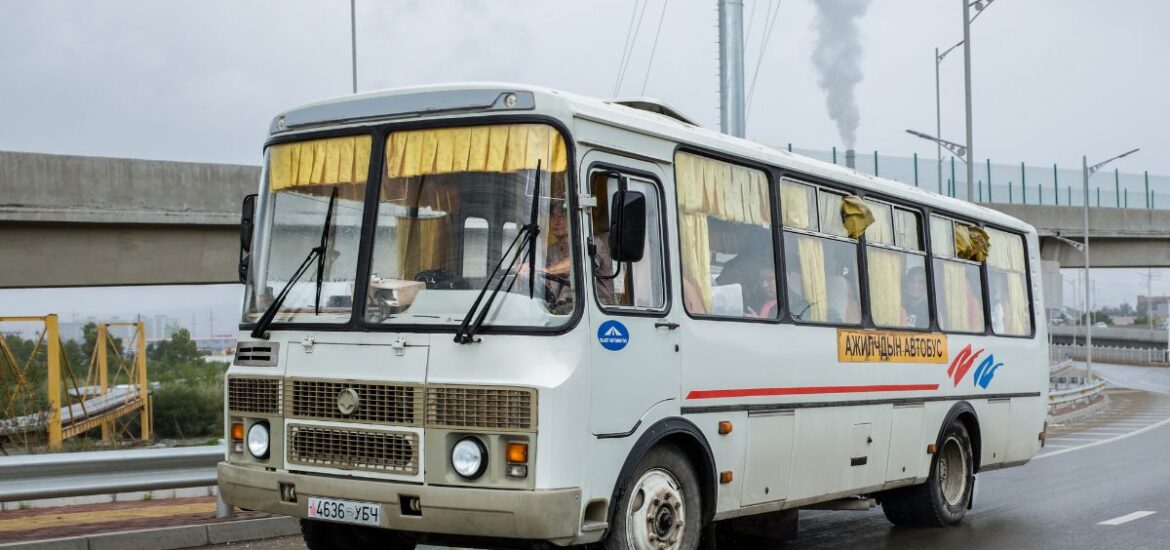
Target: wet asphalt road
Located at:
point(1109, 467)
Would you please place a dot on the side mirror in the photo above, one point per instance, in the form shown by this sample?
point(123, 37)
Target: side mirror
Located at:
point(247, 225)
point(627, 230)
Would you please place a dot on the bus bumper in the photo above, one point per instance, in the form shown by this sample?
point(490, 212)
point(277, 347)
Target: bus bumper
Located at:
point(551, 515)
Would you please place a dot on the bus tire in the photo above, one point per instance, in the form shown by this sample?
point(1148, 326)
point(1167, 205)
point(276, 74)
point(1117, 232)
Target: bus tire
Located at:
point(322, 535)
point(942, 500)
point(660, 507)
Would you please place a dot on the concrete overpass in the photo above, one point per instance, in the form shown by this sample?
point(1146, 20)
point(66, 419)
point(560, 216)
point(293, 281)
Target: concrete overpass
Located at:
point(90, 221)
point(1118, 237)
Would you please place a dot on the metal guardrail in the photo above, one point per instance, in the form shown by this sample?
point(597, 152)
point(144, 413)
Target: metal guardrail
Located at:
point(30, 477)
point(1110, 354)
point(1072, 395)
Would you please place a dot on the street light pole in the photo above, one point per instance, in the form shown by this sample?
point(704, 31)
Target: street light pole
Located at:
point(938, 116)
point(1088, 315)
point(353, 40)
point(967, 74)
point(1087, 171)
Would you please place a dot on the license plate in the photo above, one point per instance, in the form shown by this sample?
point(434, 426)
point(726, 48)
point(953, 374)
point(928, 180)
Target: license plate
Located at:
point(345, 511)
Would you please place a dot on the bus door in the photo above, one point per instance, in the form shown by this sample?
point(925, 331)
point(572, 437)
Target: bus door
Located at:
point(634, 348)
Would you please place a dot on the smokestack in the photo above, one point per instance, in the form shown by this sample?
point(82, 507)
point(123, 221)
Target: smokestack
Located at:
point(851, 158)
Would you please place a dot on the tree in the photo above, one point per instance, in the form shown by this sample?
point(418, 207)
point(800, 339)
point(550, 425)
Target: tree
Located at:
point(179, 350)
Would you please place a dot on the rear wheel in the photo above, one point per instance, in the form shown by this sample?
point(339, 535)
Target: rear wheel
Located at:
point(660, 509)
point(322, 535)
point(943, 499)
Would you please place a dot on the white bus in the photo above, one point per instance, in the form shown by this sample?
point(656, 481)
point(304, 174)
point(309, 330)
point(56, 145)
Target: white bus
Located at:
point(493, 314)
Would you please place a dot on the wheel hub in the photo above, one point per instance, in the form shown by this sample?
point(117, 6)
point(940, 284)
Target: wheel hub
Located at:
point(656, 512)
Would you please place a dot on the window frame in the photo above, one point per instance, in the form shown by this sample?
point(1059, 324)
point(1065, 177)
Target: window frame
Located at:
point(1027, 286)
point(983, 276)
point(663, 244)
point(931, 325)
point(773, 180)
point(862, 265)
point(379, 132)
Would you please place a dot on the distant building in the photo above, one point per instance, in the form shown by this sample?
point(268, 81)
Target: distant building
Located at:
point(1159, 305)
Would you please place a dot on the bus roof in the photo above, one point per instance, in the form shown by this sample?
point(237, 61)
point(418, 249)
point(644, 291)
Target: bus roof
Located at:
point(649, 117)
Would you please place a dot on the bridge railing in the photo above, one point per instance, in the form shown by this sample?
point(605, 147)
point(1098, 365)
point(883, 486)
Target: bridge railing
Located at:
point(1112, 354)
point(1011, 183)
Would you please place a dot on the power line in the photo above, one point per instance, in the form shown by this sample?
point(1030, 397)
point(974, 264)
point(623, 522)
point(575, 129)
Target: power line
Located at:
point(625, 48)
point(751, 22)
point(654, 48)
point(768, 28)
point(631, 39)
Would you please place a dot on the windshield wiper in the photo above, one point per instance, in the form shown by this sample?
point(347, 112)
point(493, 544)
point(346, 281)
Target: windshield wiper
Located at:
point(316, 253)
point(526, 237)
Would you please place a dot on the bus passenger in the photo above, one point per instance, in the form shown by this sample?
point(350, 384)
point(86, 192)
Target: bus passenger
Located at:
point(767, 284)
point(914, 300)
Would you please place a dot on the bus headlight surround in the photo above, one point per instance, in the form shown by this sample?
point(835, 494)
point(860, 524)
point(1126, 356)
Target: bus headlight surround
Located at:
point(258, 440)
point(469, 457)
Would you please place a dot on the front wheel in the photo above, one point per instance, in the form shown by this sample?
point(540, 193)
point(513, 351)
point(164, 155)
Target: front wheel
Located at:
point(322, 535)
point(660, 508)
point(943, 499)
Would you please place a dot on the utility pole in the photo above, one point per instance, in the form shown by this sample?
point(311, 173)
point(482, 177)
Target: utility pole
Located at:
point(731, 96)
point(353, 40)
point(967, 74)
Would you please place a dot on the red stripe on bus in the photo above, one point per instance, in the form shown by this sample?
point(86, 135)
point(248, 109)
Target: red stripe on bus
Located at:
point(808, 390)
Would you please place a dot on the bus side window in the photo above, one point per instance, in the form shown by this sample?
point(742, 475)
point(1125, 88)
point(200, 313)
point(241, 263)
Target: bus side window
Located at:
point(820, 259)
point(1008, 284)
point(898, 293)
point(725, 234)
point(958, 294)
point(639, 285)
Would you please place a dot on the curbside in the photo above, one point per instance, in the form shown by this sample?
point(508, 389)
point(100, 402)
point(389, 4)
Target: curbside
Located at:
point(166, 538)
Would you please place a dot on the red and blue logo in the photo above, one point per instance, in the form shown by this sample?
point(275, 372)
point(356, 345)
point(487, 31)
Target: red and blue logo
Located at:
point(963, 362)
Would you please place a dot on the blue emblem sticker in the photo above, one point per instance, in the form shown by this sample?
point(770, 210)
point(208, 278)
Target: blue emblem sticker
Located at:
point(613, 336)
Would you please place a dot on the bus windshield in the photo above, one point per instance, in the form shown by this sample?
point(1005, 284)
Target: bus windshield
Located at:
point(301, 178)
point(451, 206)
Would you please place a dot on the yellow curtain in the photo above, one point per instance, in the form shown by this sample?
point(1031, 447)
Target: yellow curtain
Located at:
point(729, 192)
point(955, 296)
point(971, 243)
point(496, 148)
point(885, 283)
point(812, 274)
point(696, 262)
point(795, 207)
point(855, 216)
point(319, 162)
point(882, 228)
point(708, 187)
point(424, 243)
point(1007, 254)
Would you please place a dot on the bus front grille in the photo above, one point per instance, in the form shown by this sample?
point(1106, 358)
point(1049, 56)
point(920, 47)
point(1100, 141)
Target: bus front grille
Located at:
point(254, 395)
point(370, 402)
point(354, 449)
point(495, 408)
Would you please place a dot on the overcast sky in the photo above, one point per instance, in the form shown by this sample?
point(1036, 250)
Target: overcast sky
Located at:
point(200, 80)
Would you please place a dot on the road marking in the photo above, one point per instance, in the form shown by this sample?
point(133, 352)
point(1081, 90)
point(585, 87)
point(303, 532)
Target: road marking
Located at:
point(1126, 518)
point(1110, 440)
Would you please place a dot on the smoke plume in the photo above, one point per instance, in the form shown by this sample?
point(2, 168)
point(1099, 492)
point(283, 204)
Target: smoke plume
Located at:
point(837, 57)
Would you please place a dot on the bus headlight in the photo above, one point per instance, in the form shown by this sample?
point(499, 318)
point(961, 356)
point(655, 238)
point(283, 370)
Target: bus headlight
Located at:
point(258, 440)
point(469, 458)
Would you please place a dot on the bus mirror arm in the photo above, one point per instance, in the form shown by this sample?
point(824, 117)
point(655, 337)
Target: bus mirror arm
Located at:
point(247, 225)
